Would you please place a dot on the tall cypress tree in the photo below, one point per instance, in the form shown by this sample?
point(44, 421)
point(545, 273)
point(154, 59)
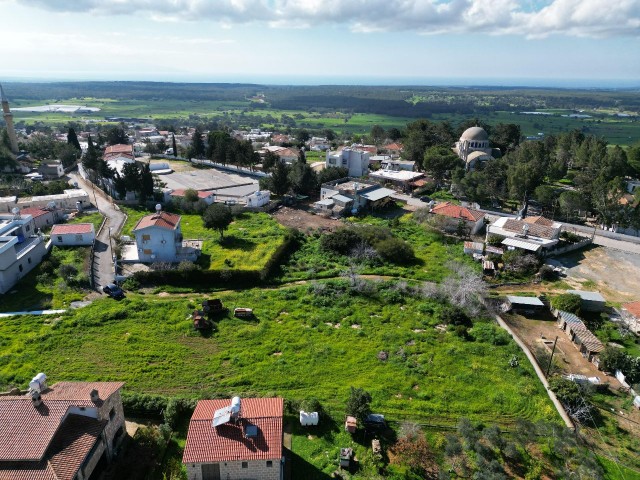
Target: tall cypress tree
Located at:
point(173, 142)
point(72, 139)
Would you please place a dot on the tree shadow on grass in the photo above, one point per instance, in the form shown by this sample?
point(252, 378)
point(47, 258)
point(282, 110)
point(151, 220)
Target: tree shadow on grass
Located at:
point(236, 243)
point(204, 261)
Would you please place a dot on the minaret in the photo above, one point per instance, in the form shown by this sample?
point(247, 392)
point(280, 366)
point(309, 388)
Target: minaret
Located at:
point(8, 119)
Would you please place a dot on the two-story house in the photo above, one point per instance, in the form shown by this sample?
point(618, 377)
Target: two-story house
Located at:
point(59, 432)
point(159, 239)
point(21, 248)
point(355, 161)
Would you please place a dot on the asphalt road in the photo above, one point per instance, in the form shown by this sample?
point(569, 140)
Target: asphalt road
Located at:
point(103, 271)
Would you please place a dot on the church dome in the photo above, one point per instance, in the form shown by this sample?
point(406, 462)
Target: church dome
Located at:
point(474, 133)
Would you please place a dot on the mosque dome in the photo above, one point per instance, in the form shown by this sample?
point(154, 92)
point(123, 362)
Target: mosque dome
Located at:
point(474, 134)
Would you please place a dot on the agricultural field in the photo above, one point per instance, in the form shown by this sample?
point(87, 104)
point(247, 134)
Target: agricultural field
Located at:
point(250, 241)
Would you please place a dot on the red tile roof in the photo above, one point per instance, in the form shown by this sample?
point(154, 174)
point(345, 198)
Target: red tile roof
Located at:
point(162, 220)
point(394, 146)
point(26, 431)
point(456, 211)
point(120, 148)
point(69, 447)
point(206, 443)
point(535, 230)
point(545, 222)
point(72, 228)
point(34, 212)
point(633, 308)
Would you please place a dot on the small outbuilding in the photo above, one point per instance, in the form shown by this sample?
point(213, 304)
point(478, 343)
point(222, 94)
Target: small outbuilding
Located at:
point(585, 341)
point(525, 305)
point(473, 247)
point(591, 301)
point(74, 234)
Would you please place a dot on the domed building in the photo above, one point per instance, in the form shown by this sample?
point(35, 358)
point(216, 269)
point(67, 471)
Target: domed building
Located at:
point(474, 147)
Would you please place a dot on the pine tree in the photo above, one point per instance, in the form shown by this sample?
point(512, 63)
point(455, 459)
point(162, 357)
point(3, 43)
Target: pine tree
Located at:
point(90, 159)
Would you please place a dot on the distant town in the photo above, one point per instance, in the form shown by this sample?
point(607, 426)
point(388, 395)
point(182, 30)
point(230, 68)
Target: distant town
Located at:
point(372, 283)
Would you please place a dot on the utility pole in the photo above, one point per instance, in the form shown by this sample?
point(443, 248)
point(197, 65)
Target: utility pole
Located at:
point(551, 358)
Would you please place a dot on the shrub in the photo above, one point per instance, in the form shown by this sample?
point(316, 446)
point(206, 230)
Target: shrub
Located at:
point(547, 273)
point(568, 302)
point(452, 315)
point(358, 404)
point(395, 250)
point(342, 241)
point(487, 333)
point(520, 263)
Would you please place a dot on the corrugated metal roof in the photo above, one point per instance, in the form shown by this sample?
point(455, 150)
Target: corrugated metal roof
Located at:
point(513, 242)
point(533, 301)
point(341, 198)
point(589, 296)
point(378, 194)
point(581, 331)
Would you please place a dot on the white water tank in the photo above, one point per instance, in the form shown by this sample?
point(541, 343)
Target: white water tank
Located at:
point(39, 383)
point(235, 406)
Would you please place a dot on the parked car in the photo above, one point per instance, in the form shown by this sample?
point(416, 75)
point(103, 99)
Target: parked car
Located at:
point(113, 290)
point(425, 199)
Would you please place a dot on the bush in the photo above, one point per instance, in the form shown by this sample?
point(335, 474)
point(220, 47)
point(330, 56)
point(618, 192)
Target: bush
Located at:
point(395, 250)
point(358, 404)
point(342, 241)
point(521, 263)
point(568, 302)
point(487, 333)
point(547, 273)
point(452, 315)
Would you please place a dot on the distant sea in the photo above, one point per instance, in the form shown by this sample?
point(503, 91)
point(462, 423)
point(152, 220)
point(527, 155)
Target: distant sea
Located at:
point(351, 80)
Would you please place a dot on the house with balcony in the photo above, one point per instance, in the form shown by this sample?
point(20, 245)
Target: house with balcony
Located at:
point(21, 249)
point(158, 238)
point(355, 161)
point(61, 432)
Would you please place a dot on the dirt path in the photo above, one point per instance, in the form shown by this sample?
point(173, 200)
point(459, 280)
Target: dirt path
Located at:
point(304, 220)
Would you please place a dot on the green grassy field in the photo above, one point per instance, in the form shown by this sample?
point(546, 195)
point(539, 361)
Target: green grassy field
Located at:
point(94, 217)
point(304, 343)
point(249, 242)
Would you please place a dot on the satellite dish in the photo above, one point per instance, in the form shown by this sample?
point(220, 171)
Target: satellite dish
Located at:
point(158, 208)
point(51, 205)
point(15, 211)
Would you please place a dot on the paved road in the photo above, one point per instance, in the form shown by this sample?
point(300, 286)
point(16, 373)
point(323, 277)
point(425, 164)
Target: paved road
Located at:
point(103, 254)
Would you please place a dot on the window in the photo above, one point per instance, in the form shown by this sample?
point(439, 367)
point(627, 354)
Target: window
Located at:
point(28, 228)
point(78, 238)
point(20, 267)
point(245, 464)
point(29, 260)
point(112, 413)
point(269, 463)
point(147, 251)
point(146, 238)
point(59, 238)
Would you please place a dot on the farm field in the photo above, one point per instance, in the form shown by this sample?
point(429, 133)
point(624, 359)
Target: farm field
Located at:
point(249, 242)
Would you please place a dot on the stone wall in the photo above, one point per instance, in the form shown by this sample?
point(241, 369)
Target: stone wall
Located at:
point(255, 470)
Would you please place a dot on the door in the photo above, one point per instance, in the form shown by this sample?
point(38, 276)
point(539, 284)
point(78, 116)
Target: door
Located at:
point(211, 471)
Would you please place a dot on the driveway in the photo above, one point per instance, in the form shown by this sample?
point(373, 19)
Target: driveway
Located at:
point(103, 271)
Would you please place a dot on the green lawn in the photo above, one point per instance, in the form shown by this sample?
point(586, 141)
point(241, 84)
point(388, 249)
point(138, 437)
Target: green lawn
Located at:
point(249, 242)
point(94, 217)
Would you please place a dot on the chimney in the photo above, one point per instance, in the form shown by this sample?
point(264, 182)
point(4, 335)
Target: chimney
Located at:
point(94, 395)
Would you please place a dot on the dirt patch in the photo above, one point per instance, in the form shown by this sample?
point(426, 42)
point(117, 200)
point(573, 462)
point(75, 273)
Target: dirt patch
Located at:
point(304, 220)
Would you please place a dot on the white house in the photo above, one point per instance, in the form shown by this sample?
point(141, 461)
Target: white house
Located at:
point(51, 169)
point(389, 164)
point(43, 218)
point(534, 234)
point(73, 234)
point(347, 194)
point(357, 162)
point(159, 239)
point(21, 250)
point(259, 198)
point(66, 201)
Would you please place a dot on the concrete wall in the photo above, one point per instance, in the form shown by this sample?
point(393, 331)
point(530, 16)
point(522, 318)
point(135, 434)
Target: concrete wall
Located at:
point(73, 239)
point(256, 470)
point(14, 267)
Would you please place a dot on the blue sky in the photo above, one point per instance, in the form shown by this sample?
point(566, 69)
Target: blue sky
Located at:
point(562, 42)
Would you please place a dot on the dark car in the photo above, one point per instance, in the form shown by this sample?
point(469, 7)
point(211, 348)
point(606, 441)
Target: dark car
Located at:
point(425, 199)
point(113, 290)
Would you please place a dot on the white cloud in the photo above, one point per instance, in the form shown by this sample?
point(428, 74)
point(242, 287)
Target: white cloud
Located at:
point(578, 18)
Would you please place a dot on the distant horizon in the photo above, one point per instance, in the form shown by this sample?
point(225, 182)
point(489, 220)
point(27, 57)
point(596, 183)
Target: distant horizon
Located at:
point(382, 81)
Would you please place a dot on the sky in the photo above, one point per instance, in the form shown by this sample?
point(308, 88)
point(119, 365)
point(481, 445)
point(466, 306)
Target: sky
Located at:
point(586, 43)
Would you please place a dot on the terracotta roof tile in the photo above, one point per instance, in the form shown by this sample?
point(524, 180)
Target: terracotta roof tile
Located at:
point(535, 230)
point(633, 308)
point(456, 211)
point(162, 220)
point(72, 228)
point(34, 212)
point(206, 443)
point(120, 148)
point(77, 391)
point(539, 220)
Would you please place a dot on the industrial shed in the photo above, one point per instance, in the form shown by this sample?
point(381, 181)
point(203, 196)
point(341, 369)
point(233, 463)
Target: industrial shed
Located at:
point(526, 305)
point(585, 341)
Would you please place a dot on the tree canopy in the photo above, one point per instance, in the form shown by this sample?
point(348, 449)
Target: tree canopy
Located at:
point(217, 217)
